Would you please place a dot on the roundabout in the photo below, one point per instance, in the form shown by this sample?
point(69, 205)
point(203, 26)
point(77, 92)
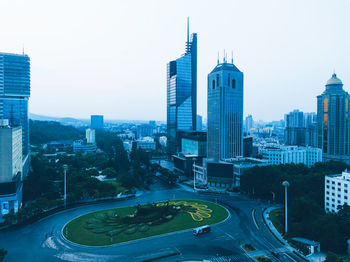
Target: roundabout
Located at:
point(117, 225)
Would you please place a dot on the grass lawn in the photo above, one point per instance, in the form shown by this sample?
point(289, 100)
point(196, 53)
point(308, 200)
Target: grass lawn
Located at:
point(277, 219)
point(77, 232)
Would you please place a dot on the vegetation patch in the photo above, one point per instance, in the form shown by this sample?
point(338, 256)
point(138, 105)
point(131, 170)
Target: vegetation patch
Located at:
point(118, 225)
point(277, 217)
point(248, 247)
point(262, 259)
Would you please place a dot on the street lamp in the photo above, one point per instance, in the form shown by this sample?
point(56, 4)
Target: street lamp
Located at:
point(65, 167)
point(286, 185)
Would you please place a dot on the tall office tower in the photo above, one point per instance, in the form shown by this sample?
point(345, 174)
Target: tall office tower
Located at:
point(333, 130)
point(294, 132)
point(248, 123)
point(182, 94)
point(225, 112)
point(14, 95)
point(96, 122)
point(90, 136)
point(199, 123)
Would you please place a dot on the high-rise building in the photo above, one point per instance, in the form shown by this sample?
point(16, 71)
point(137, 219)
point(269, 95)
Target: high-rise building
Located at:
point(96, 122)
point(248, 123)
point(14, 96)
point(199, 123)
point(225, 112)
point(11, 168)
point(294, 132)
point(90, 136)
point(182, 94)
point(333, 121)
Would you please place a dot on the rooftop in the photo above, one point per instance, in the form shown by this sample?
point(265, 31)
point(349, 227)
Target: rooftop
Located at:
point(225, 66)
point(334, 80)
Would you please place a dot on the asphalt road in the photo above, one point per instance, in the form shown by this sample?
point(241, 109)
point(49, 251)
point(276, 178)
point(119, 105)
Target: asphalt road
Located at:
point(42, 240)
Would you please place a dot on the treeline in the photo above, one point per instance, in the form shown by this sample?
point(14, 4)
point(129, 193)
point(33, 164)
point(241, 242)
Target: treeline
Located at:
point(306, 216)
point(41, 132)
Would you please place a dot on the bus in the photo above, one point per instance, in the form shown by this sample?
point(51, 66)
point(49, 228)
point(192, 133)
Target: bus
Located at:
point(201, 230)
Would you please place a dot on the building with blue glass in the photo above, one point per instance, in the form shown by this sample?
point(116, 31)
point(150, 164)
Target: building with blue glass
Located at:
point(182, 94)
point(96, 122)
point(225, 112)
point(14, 95)
point(333, 125)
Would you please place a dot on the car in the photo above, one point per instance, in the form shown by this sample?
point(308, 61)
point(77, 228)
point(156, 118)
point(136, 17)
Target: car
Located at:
point(201, 230)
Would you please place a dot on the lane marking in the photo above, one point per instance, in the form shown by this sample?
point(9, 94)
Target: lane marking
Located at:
point(253, 216)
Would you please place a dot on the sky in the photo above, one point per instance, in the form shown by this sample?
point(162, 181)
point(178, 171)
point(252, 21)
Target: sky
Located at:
point(109, 57)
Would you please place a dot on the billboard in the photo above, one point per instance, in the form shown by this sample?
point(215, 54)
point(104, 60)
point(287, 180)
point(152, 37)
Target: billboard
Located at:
point(5, 207)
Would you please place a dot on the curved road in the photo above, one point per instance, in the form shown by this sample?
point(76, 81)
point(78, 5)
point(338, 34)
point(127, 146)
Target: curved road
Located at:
point(42, 240)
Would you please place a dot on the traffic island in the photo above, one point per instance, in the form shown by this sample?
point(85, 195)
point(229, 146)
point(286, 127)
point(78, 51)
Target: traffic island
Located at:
point(113, 226)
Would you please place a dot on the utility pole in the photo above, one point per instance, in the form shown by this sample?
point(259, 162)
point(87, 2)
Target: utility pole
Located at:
point(286, 185)
point(65, 167)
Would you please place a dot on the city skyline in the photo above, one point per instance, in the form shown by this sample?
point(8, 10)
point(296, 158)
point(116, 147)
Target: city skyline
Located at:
point(99, 62)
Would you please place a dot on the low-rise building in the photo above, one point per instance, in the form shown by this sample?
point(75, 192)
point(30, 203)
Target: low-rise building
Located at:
point(147, 144)
point(79, 146)
point(227, 173)
point(90, 136)
point(291, 154)
point(337, 191)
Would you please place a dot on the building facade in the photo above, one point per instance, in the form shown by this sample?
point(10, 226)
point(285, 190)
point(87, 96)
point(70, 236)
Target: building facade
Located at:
point(337, 191)
point(182, 94)
point(333, 121)
point(11, 168)
point(90, 136)
point(249, 124)
point(194, 143)
point(225, 112)
point(96, 122)
point(14, 96)
point(292, 154)
point(199, 123)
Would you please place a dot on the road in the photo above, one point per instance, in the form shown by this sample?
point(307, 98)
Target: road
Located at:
point(43, 241)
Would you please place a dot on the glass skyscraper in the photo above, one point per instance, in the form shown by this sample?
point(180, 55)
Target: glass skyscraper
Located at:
point(225, 112)
point(14, 95)
point(333, 125)
point(182, 94)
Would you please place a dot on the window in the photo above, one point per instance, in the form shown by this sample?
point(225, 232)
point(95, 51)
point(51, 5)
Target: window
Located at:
point(333, 187)
point(338, 201)
point(333, 205)
point(327, 186)
point(339, 189)
point(233, 83)
point(327, 198)
point(345, 191)
point(213, 84)
point(345, 185)
point(332, 194)
point(217, 80)
point(327, 181)
point(333, 182)
point(339, 184)
point(345, 197)
point(327, 204)
point(339, 195)
point(333, 200)
point(327, 192)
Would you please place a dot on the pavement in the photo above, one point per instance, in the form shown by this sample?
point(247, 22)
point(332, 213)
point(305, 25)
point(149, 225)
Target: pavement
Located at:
point(43, 241)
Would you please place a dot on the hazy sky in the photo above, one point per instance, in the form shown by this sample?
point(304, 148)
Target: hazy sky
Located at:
point(109, 57)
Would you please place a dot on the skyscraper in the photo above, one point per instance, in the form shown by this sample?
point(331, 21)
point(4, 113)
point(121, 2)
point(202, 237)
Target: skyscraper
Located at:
point(333, 121)
point(225, 112)
point(96, 122)
point(14, 95)
point(248, 123)
point(294, 132)
point(199, 123)
point(182, 94)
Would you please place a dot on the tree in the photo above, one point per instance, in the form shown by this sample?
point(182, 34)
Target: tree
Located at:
point(109, 172)
point(3, 253)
